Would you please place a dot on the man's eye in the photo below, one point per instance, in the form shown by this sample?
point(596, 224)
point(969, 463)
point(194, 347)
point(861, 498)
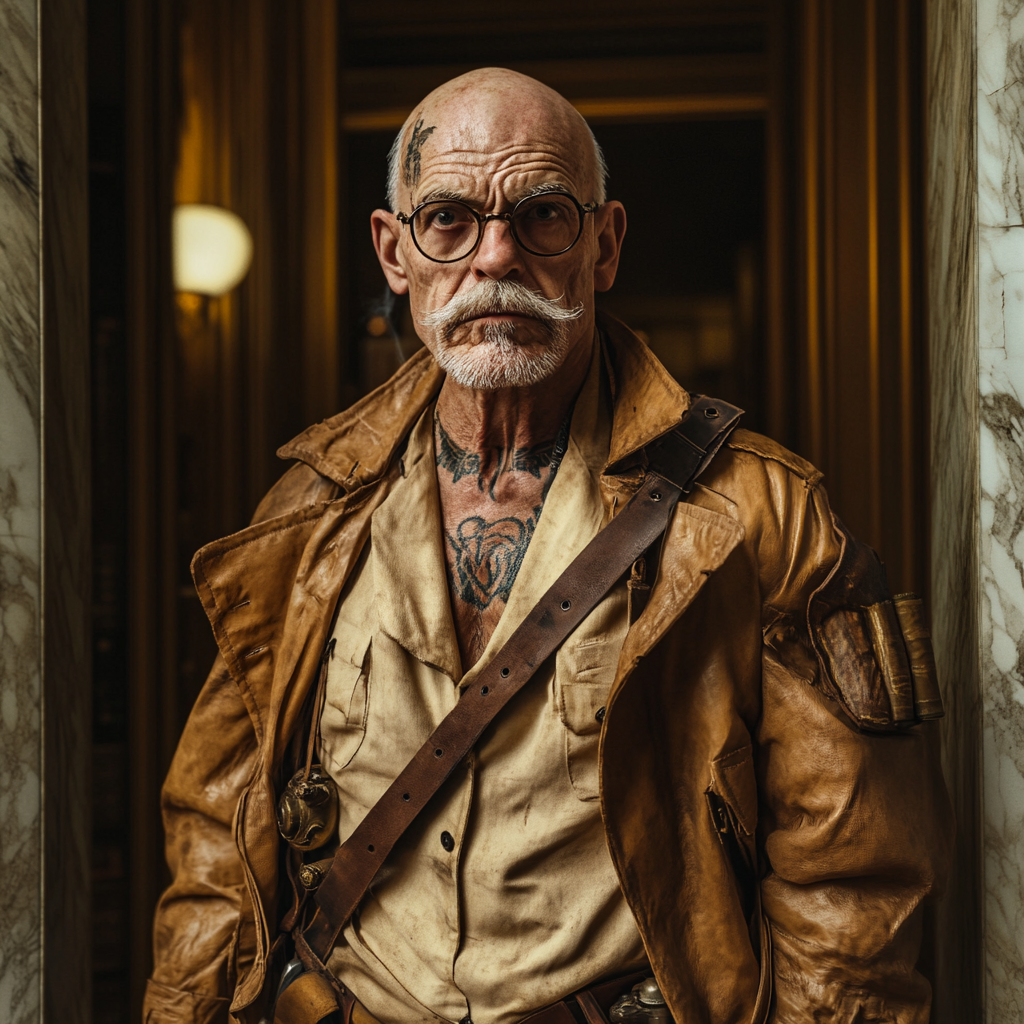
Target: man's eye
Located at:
point(443, 218)
point(545, 212)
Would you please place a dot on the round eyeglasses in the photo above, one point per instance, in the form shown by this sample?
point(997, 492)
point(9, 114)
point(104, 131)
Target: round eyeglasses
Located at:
point(447, 230)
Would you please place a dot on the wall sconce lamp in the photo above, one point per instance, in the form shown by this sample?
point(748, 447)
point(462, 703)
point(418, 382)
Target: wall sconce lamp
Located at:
point(212, 249)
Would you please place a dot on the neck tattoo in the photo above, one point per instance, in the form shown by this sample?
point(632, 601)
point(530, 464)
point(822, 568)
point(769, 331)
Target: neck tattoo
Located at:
point(454, 459)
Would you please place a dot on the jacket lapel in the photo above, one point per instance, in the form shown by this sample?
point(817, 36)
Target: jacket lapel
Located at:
point(697, 542)
point(270, 591)
point(355, 447)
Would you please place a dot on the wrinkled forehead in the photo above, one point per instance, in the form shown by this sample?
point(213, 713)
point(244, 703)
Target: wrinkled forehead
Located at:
point(492, 149)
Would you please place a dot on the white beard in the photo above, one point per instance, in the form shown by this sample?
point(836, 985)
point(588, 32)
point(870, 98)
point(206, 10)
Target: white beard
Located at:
point(500, 361)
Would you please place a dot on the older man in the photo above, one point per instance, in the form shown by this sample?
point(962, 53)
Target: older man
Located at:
point(719, 778)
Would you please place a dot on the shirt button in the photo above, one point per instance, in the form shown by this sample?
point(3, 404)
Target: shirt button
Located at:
point(449, 844)
point(467, 1019)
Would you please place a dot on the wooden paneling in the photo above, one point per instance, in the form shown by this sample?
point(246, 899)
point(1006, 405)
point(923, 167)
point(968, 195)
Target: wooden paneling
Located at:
point(150, 116)
point(956, 494)
point(862, 357)
point(651, 88)
point(259, 136)
point(65, 709)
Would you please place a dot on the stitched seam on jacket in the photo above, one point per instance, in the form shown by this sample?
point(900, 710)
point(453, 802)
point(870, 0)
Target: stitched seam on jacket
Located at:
point(810, 481)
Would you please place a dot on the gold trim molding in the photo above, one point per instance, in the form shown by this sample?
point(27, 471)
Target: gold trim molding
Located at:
point(626, 108)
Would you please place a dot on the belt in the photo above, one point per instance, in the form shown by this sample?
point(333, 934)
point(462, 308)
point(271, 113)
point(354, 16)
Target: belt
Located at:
point(589, 1005)
point(319, 1003)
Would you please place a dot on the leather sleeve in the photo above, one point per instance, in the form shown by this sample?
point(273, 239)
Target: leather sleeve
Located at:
point(856, 829)
point(197, 917)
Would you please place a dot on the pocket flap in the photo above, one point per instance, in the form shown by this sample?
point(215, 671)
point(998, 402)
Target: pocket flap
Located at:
point(585, 671)
point(579, 706)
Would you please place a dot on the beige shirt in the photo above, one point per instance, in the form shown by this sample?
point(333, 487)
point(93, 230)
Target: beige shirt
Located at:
point(501, 898)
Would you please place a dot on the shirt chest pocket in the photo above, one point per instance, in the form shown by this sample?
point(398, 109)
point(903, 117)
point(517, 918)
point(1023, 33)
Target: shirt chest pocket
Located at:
point(584, 672)
point(343, 724)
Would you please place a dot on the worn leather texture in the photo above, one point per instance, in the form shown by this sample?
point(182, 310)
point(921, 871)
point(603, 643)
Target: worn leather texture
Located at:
point(719, 687)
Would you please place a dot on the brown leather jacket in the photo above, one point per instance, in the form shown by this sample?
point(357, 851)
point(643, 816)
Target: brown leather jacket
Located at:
point(725, 756)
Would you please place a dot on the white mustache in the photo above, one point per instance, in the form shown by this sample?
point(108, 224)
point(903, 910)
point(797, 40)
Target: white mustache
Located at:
point(497, 297)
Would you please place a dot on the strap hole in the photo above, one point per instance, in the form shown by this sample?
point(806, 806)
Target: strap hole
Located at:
point(370, 847)
point(439, 752)
point(566, 605)
point(504, 673)
point(711, 414)
point(655, 495)
point(405, 796)
point(485, 690)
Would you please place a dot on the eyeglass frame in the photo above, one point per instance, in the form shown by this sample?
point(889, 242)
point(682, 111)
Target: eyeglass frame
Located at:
point(482, 220)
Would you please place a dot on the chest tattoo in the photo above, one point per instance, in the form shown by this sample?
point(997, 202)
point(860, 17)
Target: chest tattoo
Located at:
point(486, 556)
point(485, 553)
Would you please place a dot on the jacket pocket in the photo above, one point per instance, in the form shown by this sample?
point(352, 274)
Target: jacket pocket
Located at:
point(343, 724)
point(583, 674)
point(732, 803)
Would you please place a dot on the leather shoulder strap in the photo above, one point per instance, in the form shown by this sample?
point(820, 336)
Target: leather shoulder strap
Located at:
point(674, 463)
point(684, 453)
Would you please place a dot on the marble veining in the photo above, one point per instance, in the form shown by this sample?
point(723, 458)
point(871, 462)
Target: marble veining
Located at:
point(20, 516)
point(1000, 149)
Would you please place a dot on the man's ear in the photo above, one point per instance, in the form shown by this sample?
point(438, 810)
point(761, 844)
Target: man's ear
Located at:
point(387, 230)
point(610, 227)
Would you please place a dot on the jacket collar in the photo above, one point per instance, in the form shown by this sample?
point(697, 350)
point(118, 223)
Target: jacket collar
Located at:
point(354, 447)
point(646, 401)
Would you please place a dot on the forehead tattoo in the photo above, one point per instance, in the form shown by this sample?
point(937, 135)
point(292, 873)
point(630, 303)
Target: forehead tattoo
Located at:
point(411, 166)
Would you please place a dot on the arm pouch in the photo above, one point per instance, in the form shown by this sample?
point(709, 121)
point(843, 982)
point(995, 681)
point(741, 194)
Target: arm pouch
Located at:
point(875, 651)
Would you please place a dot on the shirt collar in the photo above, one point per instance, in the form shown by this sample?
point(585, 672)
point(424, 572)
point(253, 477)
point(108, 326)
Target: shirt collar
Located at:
point(410, 576)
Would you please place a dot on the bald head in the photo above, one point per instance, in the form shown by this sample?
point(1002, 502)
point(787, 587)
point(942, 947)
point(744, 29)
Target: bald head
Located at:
point(500, 111)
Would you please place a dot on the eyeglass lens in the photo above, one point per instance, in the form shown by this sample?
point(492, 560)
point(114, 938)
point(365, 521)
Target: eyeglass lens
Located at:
point(448, 230)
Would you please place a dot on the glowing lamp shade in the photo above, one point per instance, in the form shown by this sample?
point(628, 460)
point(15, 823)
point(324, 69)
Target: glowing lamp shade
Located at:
point(212, 249)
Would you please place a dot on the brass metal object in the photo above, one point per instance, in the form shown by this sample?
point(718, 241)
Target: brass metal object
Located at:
point(918, 640)
point(311, 875)
point(891, 657)
point(644, 1003)
point(307, 811)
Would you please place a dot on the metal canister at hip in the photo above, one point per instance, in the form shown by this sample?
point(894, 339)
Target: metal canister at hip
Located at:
point(307, 811)
point(644, 1003)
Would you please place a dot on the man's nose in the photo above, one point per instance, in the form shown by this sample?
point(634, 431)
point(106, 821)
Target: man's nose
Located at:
point(497, 255)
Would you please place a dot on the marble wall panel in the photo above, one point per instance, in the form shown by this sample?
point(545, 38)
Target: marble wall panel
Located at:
point(20, 519)
point(1000, 149)
point(44, 514)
